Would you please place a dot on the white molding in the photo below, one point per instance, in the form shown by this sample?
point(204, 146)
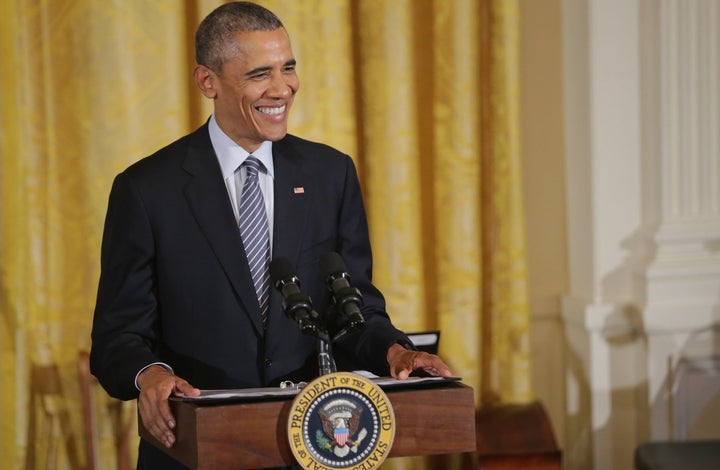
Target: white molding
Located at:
point(681, 317)
point(689, 105)
point(607, 319)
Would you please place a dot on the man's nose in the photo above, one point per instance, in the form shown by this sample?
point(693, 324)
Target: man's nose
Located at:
point(281, 87)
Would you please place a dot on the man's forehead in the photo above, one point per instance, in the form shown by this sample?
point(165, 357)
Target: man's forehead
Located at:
point(260, 45)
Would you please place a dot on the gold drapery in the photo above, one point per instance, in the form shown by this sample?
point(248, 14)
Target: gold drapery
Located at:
point(422, 94)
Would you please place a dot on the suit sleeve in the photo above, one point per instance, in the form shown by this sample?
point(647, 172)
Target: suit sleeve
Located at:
point(369, 347)
point(124, 324)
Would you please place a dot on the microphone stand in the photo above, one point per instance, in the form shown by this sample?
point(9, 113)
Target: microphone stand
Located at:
point(326, 362)
point(316, 326)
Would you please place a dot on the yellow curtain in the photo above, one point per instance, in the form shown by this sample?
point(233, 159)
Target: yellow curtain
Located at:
point(422, 94)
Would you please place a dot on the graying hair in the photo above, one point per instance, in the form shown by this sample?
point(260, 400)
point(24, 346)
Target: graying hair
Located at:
point(218, 30)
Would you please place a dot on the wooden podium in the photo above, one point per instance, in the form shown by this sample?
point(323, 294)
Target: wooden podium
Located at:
point(437, 419)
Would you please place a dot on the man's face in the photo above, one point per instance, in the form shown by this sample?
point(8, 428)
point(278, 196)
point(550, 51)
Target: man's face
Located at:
point(256, 87)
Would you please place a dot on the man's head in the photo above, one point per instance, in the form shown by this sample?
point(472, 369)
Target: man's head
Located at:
point(215, 37)
point(246, 65)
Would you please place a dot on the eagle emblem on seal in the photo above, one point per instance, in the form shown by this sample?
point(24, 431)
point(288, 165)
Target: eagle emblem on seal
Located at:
point(340, 423)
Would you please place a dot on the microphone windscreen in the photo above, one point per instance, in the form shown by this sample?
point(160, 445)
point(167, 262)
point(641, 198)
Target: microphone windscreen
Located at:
point(331, 263)
point(281, 268)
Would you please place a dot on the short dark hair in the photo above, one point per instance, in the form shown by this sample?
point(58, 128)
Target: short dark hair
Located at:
point(219, 28)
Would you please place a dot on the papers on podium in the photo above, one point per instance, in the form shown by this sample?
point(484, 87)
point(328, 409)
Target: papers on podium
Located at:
point(249, 394)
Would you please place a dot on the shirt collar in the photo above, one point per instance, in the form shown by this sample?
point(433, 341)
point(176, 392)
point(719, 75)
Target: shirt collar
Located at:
point(230, 155)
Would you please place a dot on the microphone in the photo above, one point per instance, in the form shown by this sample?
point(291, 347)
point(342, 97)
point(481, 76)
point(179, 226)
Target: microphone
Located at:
point(296, 304)
point(348, 299)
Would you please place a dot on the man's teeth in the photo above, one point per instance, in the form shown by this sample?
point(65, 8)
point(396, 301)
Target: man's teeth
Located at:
point(272, 111)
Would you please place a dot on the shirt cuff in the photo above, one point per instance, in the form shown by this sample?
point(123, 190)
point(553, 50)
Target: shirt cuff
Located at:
point(153, 364)
point(407, 344)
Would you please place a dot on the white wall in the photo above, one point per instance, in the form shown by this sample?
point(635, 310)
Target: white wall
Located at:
point(544, 195)
point(621, 124)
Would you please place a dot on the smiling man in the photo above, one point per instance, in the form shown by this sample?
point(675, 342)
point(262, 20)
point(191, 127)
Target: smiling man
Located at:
point(184, 300)
point(253, 88)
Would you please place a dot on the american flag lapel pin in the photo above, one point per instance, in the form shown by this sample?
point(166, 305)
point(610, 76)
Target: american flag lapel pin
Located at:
point(298, 190)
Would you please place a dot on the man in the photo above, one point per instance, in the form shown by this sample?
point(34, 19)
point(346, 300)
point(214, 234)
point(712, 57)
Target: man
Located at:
point(180, 302)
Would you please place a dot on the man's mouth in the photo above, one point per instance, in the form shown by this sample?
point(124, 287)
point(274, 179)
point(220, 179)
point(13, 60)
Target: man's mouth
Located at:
point(272, 111)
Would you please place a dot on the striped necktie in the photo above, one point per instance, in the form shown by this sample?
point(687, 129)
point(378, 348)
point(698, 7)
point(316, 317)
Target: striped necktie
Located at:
point(255, 233)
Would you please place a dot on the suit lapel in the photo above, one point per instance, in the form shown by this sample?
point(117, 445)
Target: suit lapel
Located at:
point(209, 202)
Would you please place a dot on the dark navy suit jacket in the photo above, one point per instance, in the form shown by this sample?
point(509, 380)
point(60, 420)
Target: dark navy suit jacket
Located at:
point(175, 285)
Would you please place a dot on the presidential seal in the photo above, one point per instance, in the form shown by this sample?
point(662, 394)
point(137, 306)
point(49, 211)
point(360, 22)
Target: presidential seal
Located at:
point(341, 420)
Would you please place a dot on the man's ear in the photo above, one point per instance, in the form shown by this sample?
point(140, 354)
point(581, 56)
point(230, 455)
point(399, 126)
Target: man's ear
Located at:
point(205, 81)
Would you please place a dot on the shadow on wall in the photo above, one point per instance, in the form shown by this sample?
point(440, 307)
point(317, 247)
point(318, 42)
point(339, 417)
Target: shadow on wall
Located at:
point(626, 423)
point(578, 423)
point(606, 389)
point(690, 395)
point(629, 407)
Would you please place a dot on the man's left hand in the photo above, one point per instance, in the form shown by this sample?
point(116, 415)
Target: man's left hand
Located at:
point(404, 361)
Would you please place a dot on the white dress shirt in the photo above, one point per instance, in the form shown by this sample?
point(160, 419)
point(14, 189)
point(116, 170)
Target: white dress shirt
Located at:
point(230, 156)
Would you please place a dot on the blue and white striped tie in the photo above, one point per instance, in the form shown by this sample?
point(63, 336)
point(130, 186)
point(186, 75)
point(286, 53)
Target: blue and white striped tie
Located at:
point(255, 233)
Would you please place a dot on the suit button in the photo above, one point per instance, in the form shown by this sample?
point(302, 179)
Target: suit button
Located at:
point(268, 363)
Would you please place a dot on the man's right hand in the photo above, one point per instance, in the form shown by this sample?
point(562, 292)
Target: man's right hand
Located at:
point(156, 384)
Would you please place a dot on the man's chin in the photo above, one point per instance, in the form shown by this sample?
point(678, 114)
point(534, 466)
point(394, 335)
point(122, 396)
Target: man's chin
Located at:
point(275, 136)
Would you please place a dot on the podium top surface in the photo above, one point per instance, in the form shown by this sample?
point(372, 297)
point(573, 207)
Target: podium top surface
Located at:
point(291, 390)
